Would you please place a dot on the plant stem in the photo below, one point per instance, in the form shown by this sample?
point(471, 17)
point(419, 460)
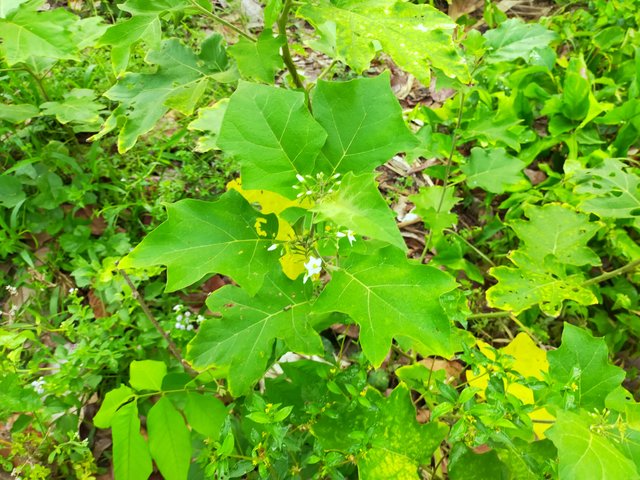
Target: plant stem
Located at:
point(454, 140)
point(614, 273)
point(286, 53)
point(477, 316)
point(38, 80)
point(173, 348)
point(482, 255)
point(222, 21)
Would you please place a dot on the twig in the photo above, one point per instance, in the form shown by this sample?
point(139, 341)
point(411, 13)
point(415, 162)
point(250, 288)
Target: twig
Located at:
point(286, 53)
point(614, 273)
point(222, 21)
point(173, 348)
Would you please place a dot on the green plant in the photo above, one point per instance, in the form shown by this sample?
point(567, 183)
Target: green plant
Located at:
point(311, 245)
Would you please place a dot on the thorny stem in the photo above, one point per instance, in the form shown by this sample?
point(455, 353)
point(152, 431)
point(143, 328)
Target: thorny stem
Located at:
point(222, 21)
point(286, 53)
point(173, 348)
point(454, 141)
point(614, 273)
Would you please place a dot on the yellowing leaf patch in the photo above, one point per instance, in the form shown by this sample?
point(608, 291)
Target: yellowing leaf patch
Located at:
point(292, 263)
point(529, 361)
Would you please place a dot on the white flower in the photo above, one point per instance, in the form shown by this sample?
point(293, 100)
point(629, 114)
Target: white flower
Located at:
point(38, 385)
point(313, 266)
point(187, 314)
point(300, 178)
point(272, 247)
point(349, 234)
point(177, 308)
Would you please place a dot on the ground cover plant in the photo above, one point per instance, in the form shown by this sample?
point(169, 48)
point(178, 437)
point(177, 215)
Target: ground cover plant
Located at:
point(319, 239)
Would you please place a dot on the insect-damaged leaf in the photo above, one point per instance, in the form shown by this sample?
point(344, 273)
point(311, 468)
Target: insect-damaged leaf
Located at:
point(227, 236)
point(179, 81)
point(398, 444)
point(417, 37)
point(559, 231)
point(530, 283)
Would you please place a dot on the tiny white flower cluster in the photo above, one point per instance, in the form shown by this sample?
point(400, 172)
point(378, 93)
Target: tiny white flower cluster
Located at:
point(38, 385)
point(309, 184)
point(184, 320)
point(73, 291)
point(12, 290)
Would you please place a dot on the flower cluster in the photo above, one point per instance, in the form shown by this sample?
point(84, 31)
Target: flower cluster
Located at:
point(38, 385)
point(184, 320)
point(318, 185)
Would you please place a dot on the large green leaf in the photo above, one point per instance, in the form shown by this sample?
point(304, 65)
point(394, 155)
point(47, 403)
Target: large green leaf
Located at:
point(27, 34)
point(391, 298)
point(417, 37)
point(11, 193)
point(112, 402)
point(131, 459)
point(259, 60)
point(205, 414)
point(581, 367)
point(557, 230)
point(17, 113)
point(358, 206)
point(243, 339)
point(209, 121)
point(179, 82)
point(610, 190)
point(147, 374)
point(364, 123)
point(515, 39)
point(280, 140)
point(494, 170)
point(9, 6)
point(123, 35)
point(467, 465)
point(227, 236)
point(78, 107)
point(153, 7)
point(585, 453)
point(169, 440)
point(398, 444)
point(530, 283)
